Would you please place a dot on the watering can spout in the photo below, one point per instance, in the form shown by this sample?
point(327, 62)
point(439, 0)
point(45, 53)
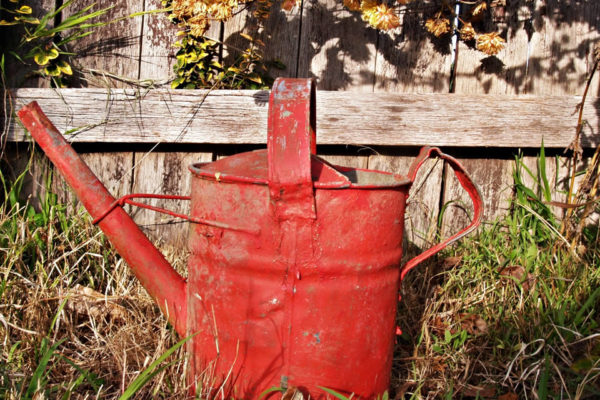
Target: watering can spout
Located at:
point(157, 276)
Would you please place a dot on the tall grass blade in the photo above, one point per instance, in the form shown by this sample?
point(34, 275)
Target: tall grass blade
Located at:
point(152, 370)
point(334, 393)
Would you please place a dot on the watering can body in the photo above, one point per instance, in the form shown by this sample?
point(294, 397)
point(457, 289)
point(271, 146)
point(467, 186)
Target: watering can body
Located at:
point(295, 268)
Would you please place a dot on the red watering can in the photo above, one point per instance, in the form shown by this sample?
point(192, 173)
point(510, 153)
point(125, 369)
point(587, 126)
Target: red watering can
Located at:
point(295, 263)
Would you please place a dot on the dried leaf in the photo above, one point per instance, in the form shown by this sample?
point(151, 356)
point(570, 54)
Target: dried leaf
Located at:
point(292, 393)
point(86, 301)
point(473, 324)
point(508, 396)
point(451, 262)
point(479, 391)
point(517, 272)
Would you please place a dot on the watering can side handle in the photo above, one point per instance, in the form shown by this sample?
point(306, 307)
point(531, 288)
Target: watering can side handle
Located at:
point(466, 182)
point(127, 199)
point(157, 276)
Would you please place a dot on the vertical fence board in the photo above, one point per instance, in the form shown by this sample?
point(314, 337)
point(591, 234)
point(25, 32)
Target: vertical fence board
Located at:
point(562, 46)
point(114, 49)
point(280, 34)
point(157, 53)
point(165, 173)
point(505, 73)
point(409, 61)
point(336, 47)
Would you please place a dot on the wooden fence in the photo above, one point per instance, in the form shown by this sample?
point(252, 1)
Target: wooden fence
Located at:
point(398, 91)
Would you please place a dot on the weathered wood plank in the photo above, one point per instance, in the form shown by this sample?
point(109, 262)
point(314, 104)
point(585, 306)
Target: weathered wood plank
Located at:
point(410, 61)
point(235, 117)
point(280, 33)
point(336, 47)
point(157, 54)
point(562, 45)
point(507, 72)
point(112, 51)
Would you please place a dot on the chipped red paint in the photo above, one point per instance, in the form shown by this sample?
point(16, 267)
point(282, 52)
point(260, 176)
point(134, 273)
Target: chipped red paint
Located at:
point(295, 263)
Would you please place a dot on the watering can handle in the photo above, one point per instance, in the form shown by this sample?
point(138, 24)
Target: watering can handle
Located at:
point(291, 140)
point(465, 182)
point(127, 199)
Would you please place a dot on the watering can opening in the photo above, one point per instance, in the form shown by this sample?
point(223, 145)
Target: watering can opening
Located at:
point(252, 167)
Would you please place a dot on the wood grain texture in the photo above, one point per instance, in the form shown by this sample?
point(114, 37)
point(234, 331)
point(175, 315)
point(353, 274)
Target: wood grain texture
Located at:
point(336, 47)
point(409, 60)
point(280, 33)
point(164, 173)
point(236, 117)
point(562, 46)
point(113, 51)
point(157, 54)
point(493, 177)
point(508, 71)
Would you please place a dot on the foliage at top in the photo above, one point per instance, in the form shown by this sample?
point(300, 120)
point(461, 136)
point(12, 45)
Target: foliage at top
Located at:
point(200, 62)
point(195, 16)
point(45, 43)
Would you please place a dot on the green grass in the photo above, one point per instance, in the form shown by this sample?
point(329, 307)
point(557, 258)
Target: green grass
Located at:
point(517, 313)
point(511, 310)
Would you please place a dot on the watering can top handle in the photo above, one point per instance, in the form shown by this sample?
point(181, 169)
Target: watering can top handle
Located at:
point(466, 183)
point(291, 140)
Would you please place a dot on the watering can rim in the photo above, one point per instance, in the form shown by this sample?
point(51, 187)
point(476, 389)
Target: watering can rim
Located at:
point(237, 169)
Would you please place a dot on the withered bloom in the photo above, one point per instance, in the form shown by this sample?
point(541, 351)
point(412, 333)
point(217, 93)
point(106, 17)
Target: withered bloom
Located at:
point(438, 26)
point(352, 5)
point(490, 43)
point(384, 18)
point(467, 32)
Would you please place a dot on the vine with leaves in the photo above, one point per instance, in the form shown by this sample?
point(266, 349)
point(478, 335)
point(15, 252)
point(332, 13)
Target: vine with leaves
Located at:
point(45, 43)
point(200, 65)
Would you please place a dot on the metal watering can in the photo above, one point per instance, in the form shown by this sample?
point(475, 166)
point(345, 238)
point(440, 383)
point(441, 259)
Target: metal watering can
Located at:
point(295, 268)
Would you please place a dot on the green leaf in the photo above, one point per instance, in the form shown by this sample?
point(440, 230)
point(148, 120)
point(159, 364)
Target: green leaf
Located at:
point(52, 70)
point(4, 22)
point(42, 57)
point(152, 370)
point(64, 67)
point(447, 336)
point(177, 82)
point(271, 390)
point(24, 10)
point(334, 393)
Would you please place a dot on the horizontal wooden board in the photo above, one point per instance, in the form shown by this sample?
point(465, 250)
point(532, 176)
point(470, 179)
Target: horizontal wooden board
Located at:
point(240, 117)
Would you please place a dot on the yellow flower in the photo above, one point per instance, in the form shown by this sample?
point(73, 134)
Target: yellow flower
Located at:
point(220, 11)
point(467, 32)
point(368, 8)
point(198, 26)
point(384, 18)
point(438, 26)
point(490, 43)
point(352, 5)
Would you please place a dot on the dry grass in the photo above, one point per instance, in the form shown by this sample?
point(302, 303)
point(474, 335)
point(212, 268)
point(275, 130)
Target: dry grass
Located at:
point(65, 283)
